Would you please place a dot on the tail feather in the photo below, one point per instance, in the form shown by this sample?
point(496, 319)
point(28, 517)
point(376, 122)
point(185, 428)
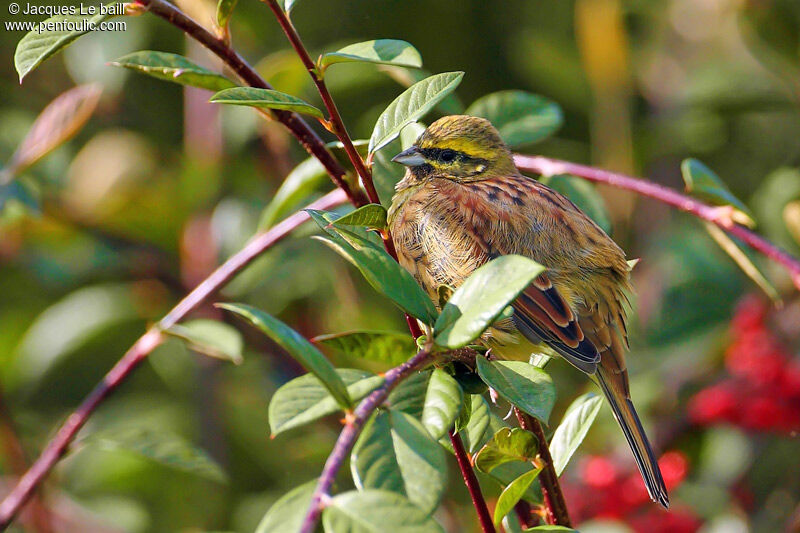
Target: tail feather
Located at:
point(628, 420)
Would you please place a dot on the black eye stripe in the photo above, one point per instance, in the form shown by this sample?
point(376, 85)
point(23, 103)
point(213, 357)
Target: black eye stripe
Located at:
point(444, 154)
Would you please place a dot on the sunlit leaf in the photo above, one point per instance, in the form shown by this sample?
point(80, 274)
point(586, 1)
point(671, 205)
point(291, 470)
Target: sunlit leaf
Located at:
point(573, 428)
point(584, 195)
point(521, 118)
point(508, 444)
point(442, 403)
point(703, 183)
point(163, 448)
point(409, 396)
point(449, 105)
point(305, 399)
point(211, 337)
point(397, 454)
point(412, 104)
point(286, 515)
point(384, 51)
point(382, 346)
point(370, 512)
point(174, 68)
point(41, 43)
point(303, 180)
point(265, 99)
point(525, 386)
point(378, 268)
point(224, 11)
point(371, 216)
point(482, 298)
point(56, 124)
point(513, 493)
point(791, 215)
point(297, 346)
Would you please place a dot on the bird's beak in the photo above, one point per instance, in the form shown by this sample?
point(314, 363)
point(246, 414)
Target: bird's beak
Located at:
point(410, 157)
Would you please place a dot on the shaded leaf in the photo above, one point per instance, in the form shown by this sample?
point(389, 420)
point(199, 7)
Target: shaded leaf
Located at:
point(305, 399)
point(508, 444)
point(286, 515)
point(298, 347)
point(396, 453)
point(521, 118)
point(412, 104)
point(703, 183)
point(371, 216)
point(163, 448)
point(474, 433)
point(303, 180)
point(39, 44)
point(584, 195)
point(525, 386)
point(482, 298)
point(370, 512)
point(224, 11)
point(573, 428)
point(56, 124)
point(174, 68)
point(211, 337)
point(409, 396)
point(384, 51)
point(513, 493)
point(382, 346)
point(382, 272)
point(266, 99)
point(442, 403)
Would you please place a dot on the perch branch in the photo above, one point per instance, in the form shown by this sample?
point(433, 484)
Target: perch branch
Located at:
point(471, 481)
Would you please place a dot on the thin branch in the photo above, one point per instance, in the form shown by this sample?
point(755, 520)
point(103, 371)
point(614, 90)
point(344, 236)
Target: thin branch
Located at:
point(347, 438)
point(293, 122)
point(58, 446)
point(554, 503)
point(549, 167)
point(471, 481)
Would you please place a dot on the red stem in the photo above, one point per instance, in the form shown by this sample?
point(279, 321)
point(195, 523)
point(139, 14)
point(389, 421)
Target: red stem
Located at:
point(549, 167)
point(58, 446)
point(471, 481)
point(554, 503)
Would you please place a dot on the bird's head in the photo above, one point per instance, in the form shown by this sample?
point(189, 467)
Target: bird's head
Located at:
point(458, 147)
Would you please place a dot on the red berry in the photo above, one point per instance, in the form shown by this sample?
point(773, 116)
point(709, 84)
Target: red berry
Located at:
point(599, 472)
point(674, 466)
point(715, 404)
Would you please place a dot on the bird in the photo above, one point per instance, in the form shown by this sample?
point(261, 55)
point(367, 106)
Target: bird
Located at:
point(462, 202)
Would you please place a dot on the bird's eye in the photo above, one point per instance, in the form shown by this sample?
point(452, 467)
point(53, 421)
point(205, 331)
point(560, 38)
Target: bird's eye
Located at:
point(448, 156)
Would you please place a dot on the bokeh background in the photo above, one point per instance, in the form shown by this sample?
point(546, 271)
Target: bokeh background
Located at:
point(160, 187)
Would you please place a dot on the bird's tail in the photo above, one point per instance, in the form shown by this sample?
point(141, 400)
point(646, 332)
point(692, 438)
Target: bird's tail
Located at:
point(631, 426)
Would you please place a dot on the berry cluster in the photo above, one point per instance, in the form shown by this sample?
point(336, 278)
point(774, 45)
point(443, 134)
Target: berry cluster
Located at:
point(762, 392)
point(607, 491)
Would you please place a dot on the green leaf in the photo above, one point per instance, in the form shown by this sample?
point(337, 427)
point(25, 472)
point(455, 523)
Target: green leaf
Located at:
point(521, 118)
point(305, 399)
point(371, 511)
point(288, 5)
point(286, 515)
point(573, 428)
point(703, 183)
point(412, 104)
point(482, 298)
point(39, 44)
point(224, 11)
point(371, 216)
point(211, 337)
point(382, 346)
point(298, 347)
point(55, 125)
point(266, 99)
point(378, 268)
point(383, 51)
point(525, 386)
point(474, 433)
point(396, 453)
point(163, 448)
point(303, 180)
point(513, 493)
point(442, 403)
point(174, 68)
point(450, 105)
point(508, 444)
point(409, 396)
point(584, 195)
